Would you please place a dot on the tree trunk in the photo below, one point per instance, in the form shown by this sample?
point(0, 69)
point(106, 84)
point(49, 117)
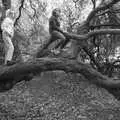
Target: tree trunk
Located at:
point(19, 71)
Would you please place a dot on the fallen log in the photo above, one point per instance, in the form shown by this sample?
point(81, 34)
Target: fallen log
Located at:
point(19, 71)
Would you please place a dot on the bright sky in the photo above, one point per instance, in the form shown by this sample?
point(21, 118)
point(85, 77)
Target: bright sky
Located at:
point(53, 4)
point(57, 3)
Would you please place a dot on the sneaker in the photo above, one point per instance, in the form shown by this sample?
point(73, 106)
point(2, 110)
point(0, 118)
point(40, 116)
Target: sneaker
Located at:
point(52, 50)
point(56, 52)
point(9, 63)
point(64, 49)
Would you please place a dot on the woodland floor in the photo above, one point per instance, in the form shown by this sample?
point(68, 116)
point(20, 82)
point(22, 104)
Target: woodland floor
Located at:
point(58, 96)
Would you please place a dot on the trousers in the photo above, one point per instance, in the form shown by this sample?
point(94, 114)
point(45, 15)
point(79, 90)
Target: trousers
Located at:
point(56, 35)
point(9, 48)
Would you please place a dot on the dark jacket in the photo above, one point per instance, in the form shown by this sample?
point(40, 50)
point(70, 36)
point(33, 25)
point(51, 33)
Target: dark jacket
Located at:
point(54, 24)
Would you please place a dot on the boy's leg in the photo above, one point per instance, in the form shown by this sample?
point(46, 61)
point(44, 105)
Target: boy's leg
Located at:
point(64, 43)
point(58, 36)
point(9, 47)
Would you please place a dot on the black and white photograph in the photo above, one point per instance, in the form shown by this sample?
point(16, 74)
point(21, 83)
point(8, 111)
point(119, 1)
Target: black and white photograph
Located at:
point(59, 59)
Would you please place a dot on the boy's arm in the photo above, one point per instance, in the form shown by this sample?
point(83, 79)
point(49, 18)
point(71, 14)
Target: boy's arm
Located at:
point(54, 25)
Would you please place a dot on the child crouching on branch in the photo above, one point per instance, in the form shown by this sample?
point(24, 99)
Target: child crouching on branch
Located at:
point(54, 28)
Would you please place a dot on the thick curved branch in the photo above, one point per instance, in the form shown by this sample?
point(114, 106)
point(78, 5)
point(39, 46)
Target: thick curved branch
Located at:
point(80, 38)
point(83, 37)
point(49, 64)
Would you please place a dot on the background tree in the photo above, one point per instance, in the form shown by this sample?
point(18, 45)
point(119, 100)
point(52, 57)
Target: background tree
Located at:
point(29, 30)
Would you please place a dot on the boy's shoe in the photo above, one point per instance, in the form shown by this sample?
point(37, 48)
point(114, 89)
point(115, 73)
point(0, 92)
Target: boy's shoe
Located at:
point(56, 52)
point(64, 50)
point(9, 63)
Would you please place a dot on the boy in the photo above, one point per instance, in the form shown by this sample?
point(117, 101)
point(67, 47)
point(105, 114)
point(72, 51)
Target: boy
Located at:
point(7, 27)
point(54, 27)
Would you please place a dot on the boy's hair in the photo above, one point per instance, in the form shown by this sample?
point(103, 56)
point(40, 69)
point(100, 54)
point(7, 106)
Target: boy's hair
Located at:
point(56, 11)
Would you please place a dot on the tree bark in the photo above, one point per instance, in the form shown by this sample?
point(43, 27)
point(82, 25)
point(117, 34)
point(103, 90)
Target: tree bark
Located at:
point(80, 38)
point(19, 71)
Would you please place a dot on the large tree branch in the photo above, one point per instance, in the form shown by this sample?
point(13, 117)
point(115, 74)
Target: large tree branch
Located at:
point(80, 38)
point(9, 74)
point(92, 33)
point(104, 25)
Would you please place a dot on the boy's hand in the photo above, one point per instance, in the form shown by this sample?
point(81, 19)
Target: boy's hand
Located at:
point(66, 34)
